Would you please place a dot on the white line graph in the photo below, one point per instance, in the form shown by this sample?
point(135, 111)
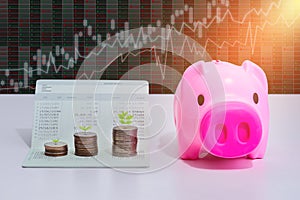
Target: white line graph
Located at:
point(193, 25)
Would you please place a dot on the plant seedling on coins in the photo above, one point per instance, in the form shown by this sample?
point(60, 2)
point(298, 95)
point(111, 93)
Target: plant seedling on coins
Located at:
point(55, 141)
point(124, 136)
point(125, 118)
point(85, 128)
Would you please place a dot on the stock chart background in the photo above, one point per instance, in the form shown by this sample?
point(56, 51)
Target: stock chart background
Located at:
point(50, 39)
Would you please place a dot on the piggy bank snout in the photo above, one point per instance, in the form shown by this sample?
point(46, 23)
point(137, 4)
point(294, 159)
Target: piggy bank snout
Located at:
point(231, 130)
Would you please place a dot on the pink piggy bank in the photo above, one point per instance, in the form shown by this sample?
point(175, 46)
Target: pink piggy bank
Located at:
point(222, 109)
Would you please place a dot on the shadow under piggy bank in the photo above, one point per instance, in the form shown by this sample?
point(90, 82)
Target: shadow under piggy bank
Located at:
point(169, 146)
point(216, 163)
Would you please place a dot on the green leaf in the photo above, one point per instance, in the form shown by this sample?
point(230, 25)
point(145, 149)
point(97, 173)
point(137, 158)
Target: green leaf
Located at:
point(55, 140)
point(129, 117)
point(124, 118)
point(85, 128)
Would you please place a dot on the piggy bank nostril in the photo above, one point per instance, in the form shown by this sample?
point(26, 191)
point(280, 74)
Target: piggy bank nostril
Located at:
point(243, 132)
point(221, 133)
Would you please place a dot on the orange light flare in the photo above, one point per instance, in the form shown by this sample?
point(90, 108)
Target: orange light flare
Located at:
point(290, 10)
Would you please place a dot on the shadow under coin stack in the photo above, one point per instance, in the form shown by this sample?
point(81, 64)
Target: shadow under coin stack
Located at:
point(124, 141)
point(56, 149)
point(85, 144)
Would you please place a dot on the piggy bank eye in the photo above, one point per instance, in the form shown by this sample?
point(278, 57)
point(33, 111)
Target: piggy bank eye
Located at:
point(255, 98)
point(200, 100)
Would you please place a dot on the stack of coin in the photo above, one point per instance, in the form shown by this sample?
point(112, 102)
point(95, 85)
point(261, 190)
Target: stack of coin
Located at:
point(56, 149)
point(85, 144)
point(124, 141)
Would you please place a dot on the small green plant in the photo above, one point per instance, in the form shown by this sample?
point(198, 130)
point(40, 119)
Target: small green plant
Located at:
point(55, 141)
point(85, 128)
point(125, 118)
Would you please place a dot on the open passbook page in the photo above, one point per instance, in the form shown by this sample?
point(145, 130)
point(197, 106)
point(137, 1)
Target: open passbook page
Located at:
point(89, 123)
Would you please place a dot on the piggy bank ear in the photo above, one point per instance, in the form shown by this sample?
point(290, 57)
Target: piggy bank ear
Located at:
point(199, 67)
point(255, 70)
point(204, 68)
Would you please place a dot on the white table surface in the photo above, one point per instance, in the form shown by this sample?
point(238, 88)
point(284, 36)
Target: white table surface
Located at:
point(277, 176)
